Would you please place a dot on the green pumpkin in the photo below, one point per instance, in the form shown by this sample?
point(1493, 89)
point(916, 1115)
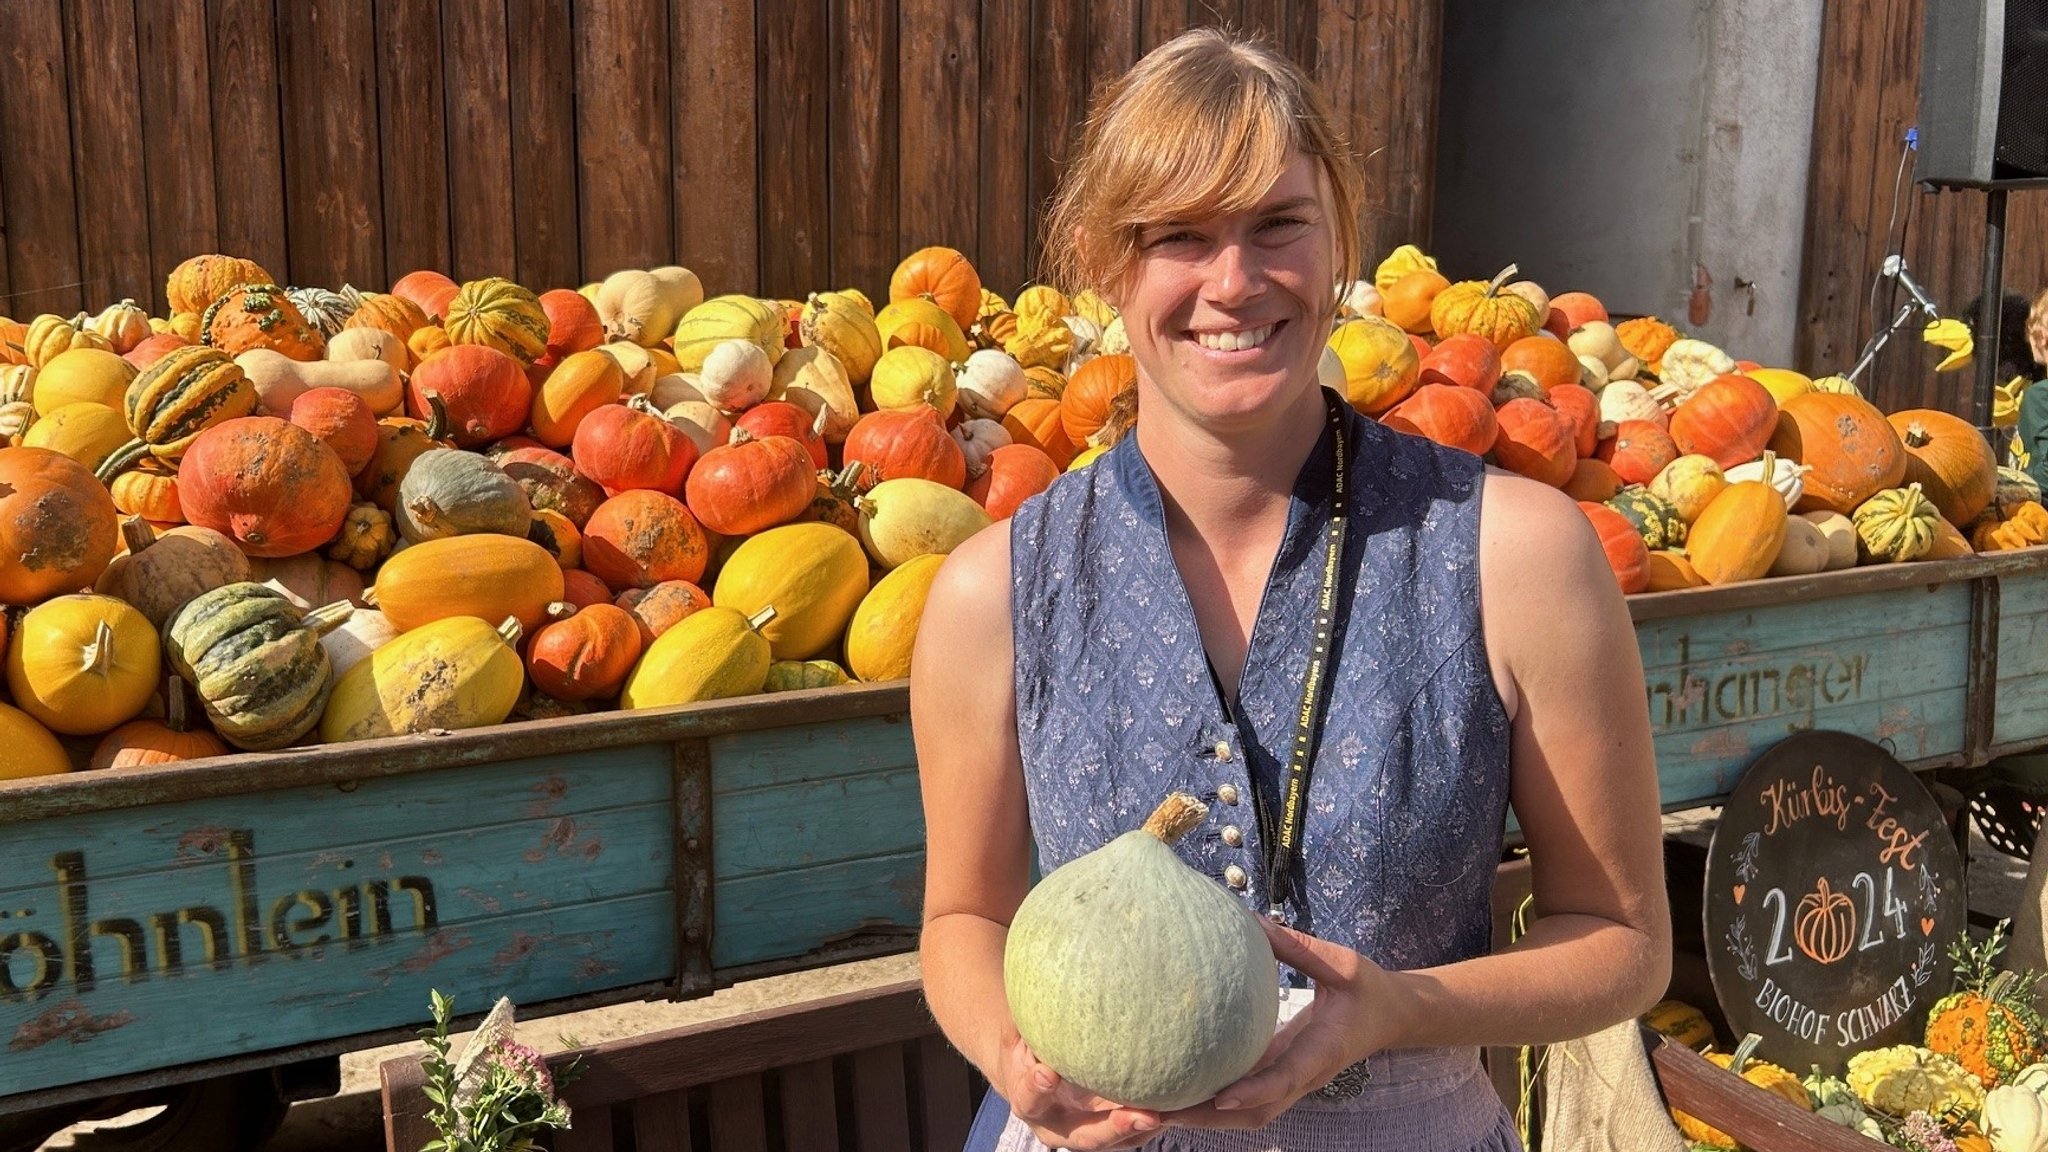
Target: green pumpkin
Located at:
point(1136, 977)
point(1656, 519)
point(1896, 525)
point(450, 492)
point(796, 675)
point(256, 662)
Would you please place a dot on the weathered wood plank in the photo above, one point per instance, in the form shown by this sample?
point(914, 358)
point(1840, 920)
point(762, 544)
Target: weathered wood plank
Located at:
point(479, 139)
point(737, 1121)
point(764, 831)
point(2021, 712)
point(780, 757)
point(810, 1110)
point(1113, 45)
point(948, 1098)
point(1162, 20)
point(543, 83)
point(1378, 64)
point(940, 142)
point(333, 177)
point(787, 913)
point(1004, 253)
point(1059, 81)
point(622, 135)
point(661, 1122)
point(413, 121)
point(589, 1131)
point(37, 179)
point(178, 148)
point(1224, 14)
point(102, 46)
point(1847, 150)
point(863, 108)
point(717, 168)
point(796, 224)
point(881, 1099)
point(6, 294)
point(248, 142)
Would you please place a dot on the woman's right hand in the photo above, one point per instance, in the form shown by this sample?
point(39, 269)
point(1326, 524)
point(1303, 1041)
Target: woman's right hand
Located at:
point(1062, 1115)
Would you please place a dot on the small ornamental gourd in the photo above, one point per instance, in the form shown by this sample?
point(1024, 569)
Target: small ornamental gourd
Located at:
point(58, 526)
point(454, 673)
point(797, 675)
point(1682, 1022)
point(1203, 1011)
point(1654, 517)
point(836, 323)
point(2015, 1119)
point(1988, 1024)
point(1481, 307)
point(1896, 525)
point(499, 314)
point(255, 660)
point(814, 574)
point(181, 395)
point(259, 316)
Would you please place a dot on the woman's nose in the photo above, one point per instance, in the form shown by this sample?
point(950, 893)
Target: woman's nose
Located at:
point(1234, 275)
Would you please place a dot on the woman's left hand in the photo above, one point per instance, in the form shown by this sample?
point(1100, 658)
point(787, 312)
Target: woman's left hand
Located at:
point(1347, 1021)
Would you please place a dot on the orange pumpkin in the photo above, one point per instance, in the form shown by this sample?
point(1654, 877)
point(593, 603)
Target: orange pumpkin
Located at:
point(148, 490)
point(141, 743)
point(1627, 556)
point(1646, 339)
point(388, 313)
point(260, 316)
point(1578, 309)
point(628, 446)
point(582, 588)
point(639, 538)
point(1592, 482)
point(486, 392)
point(1465, 361)
point(1953, 465)
point(153, 348)
point(1534, 441)
point(1091, 391)
point(268, 484)
point(200, 280)
point(943, 276)
point(1581, 412)
point(1640, 449)
point(1851, 450)
point(1036, 421)
point(428, 289)
point(749, 486)
point(342, 420)
point(58, 526)
point(1453, 416)
point(1015, 473)
point(914, 443)
point(1546, 361)
point(573, 324)
point(655, 610)
point(587, 655)
point(1482, 308)
point(1730, 420)
point(1407, 301)
point(581, 384)
point(782, 418)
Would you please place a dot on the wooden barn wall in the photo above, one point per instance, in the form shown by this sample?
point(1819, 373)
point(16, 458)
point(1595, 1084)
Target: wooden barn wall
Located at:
point(1868, 97)
point(775, 147)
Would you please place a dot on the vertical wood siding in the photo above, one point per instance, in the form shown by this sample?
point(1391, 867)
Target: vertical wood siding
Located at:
point(775, 147)
point(1868, 98)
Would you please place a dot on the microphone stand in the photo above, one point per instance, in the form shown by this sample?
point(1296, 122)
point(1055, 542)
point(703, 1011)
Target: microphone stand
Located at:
point(1892, 266)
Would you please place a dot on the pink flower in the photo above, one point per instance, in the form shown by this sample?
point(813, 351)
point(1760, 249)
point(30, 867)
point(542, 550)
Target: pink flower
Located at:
point(525, 1063)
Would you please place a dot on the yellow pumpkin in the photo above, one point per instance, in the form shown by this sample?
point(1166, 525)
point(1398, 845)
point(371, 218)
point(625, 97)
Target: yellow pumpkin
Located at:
point(905, 518)
point(1740, 533)
point(884, 627)
point(711, 654)
point(31, 750)
point(1782, 383)
point(815, 575)
point(84, 663)
point(1690, 483)
point(86, 432)
point(1380, 364)
point(909, 377)
point(920, 322)
point(485, 574)
point(1483, 308)
point(453, 673)
point(79, 376)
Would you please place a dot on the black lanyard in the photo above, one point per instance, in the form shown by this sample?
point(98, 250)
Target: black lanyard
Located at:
point(1283, 842)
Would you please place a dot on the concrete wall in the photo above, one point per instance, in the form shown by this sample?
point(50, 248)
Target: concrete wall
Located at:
point(1631, 149)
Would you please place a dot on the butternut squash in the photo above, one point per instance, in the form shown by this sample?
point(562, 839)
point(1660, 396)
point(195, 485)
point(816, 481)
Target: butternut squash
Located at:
point(454, 673)
point(279, 380)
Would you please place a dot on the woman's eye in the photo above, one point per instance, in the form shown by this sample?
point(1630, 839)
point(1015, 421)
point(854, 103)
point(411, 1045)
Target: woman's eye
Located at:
point(1169, 238)
point(1283, 223)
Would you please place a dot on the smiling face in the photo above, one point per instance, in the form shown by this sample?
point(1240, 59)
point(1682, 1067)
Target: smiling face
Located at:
point(1227, 315)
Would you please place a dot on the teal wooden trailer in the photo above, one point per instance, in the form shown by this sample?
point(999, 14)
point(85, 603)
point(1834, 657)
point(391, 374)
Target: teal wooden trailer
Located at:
point(210, 933)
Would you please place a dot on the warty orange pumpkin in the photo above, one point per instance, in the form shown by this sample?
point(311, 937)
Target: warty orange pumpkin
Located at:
point(1851, 450)
point(266, 483)
point(639, 538)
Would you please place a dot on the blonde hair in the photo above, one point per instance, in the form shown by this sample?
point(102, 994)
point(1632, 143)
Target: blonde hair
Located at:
point(1203, 125)
point(2037, 328)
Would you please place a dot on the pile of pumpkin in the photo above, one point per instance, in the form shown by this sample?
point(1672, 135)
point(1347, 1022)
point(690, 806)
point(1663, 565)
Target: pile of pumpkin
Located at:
point(1695, 468)
point(334, 515)
point(1978, 1082)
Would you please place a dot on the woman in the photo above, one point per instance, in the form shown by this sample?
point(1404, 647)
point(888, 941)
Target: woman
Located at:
point(1479, 653)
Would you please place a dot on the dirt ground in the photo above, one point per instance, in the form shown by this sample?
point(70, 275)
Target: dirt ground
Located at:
point(352, 1121)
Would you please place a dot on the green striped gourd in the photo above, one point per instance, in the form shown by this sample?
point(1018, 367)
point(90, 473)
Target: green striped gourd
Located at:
point(499, 314)
point(255, 660)
point(1896, 525)
point(175, 399)
point(729, 318)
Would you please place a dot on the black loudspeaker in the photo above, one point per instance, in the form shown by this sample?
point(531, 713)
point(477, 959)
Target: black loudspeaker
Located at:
point(1983, 93)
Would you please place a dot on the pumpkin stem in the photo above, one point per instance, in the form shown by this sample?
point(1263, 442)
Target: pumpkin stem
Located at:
point(818, 422)
point(369, 597)
point(99, 655)
point(437, 416)
point(1743, 1052)
point(639, 402)
point(1493, 286)
point(137, 534)
point(559, 610)
point(327, 617)
point(740, 436)
point(174, 704)
point(759, 620)
point(1175, 815)
point(510, 631)
point(1916, 435)
point(425, 511)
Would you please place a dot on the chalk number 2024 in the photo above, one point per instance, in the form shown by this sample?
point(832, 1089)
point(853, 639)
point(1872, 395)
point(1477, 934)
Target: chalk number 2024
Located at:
point(1827, 924)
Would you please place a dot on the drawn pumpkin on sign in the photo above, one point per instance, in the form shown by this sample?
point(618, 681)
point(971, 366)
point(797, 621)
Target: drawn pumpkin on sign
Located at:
point(1824, 926)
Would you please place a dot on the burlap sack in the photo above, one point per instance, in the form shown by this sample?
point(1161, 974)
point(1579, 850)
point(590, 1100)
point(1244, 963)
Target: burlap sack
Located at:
point(1599, 1095)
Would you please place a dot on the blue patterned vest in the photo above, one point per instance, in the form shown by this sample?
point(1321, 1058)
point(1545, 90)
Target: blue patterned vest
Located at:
point(1116, 706)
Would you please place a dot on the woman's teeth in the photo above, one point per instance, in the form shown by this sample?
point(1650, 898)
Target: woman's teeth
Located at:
point(1235, 341)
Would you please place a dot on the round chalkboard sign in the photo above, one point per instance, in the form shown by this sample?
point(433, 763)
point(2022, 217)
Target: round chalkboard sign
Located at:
point(1833, 893)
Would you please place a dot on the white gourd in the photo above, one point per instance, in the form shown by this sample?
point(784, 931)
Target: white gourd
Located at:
point(1840, 533)
point(736, 375)
point(365, 631)
point(1361, 298)
point(674, 388)
point(2015, 1120)
point(631, 306)
point(366, 343)
point(990, 384)
point(1788, 478)
point(978, 440)
point(706, 426)
point(1114, 340)
point(1624, 400)
point(1086, 333)
point(1592, 373)
point(1330, 371)
point(680, 291)
point(1804, 552)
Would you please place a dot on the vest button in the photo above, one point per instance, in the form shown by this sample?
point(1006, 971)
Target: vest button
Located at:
point(1233, 836)
point(1223, 750)
point(1228, 794)
point(1235, 877)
